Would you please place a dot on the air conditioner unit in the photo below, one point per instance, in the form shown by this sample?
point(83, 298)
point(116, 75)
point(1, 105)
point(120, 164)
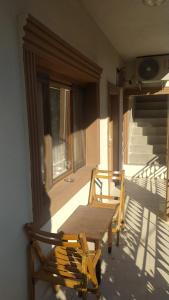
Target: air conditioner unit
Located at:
point(152, 68)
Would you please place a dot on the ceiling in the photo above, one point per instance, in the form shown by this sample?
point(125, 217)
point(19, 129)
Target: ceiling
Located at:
point(133, 28)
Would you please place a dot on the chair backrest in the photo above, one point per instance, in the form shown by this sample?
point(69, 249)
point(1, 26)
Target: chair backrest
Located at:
point(106, 188)
point(68, 259)
point(34, 234)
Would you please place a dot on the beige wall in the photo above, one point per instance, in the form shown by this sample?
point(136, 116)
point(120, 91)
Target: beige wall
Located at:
point(71, 22)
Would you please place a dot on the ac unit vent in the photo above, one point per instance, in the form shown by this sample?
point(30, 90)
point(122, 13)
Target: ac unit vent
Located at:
point(148, 69)
point(152, 68)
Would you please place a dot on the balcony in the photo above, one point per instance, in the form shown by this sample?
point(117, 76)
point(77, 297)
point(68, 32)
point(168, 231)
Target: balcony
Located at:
point(139, 268)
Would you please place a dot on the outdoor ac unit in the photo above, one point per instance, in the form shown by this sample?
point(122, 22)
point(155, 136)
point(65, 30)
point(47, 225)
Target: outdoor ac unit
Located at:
point(152, 68)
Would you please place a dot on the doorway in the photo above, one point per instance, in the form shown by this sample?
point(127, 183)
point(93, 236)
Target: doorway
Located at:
point(149, 111)
point(113, 127)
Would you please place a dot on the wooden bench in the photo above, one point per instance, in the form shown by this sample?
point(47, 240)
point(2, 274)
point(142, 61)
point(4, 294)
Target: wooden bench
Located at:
point(93, 221)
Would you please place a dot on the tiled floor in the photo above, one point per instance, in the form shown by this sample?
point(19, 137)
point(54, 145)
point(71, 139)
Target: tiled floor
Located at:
point(139, 268)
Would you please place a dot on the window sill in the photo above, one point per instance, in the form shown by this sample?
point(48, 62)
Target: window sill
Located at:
point(63, 191)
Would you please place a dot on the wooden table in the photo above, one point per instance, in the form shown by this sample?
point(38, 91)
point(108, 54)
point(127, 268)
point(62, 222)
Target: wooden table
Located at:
point(93, 221)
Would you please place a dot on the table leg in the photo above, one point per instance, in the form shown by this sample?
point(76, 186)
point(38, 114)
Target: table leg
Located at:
point(110, 237)
point(118, 238)
point(97, 245)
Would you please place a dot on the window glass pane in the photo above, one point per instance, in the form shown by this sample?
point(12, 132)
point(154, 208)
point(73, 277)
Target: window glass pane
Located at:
point(79, 138)
point(60, 130)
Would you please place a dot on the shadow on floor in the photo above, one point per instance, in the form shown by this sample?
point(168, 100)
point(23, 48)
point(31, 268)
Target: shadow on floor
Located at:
point(139, 268)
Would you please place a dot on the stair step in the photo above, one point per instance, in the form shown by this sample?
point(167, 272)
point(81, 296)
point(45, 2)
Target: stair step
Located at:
point(150, 122)
point(146, 99)
point(143, 113)
point(151, 105)
point(147, 130)
point(148, 140)
point(142, 158)
point(149, 149)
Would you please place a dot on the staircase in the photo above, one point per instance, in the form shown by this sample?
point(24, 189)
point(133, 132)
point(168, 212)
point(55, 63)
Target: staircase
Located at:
point(149, 130)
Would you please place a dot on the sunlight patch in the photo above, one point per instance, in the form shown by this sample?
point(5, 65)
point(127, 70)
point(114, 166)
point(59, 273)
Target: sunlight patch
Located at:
point(140, 257)
point(164, 274)
point(150, 287)
point(128, 252)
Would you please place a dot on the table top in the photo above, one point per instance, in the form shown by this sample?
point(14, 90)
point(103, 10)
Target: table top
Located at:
point(93, 221)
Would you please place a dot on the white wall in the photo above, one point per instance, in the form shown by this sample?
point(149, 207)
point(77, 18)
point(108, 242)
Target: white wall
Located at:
point(71, 22)
point(15, 197)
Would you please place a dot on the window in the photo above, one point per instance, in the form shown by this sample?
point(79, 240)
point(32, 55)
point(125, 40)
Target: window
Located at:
point(63, 142)
point(60, 130)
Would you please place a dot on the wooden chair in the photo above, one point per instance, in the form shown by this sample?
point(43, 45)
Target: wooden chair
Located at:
point(107, 190)
point(69, 262)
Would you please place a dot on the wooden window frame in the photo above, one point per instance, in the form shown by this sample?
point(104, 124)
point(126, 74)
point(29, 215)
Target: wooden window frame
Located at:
point(44, 50)
point(78, 125)
point(47, 141)
point(69, 142)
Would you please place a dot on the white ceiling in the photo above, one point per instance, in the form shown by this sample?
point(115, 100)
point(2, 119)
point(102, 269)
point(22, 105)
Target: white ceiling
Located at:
point(133, 28)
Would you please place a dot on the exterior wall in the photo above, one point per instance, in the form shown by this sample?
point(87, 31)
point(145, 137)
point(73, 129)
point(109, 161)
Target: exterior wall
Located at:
point(69, 20)
point(15, 194)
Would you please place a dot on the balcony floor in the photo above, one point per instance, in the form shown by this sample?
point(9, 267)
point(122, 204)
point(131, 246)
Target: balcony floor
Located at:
point(139, 268)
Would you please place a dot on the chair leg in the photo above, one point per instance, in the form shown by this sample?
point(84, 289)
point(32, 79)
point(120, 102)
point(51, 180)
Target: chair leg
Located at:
point(98, 271)
point(110, 237)
point(80, 294)
point(118, 238)
point(109, 249)
point(122, 224)
point(31, 280)
point(98, 295)
point(56, 289)
point(31, 287)
point(84, 296)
